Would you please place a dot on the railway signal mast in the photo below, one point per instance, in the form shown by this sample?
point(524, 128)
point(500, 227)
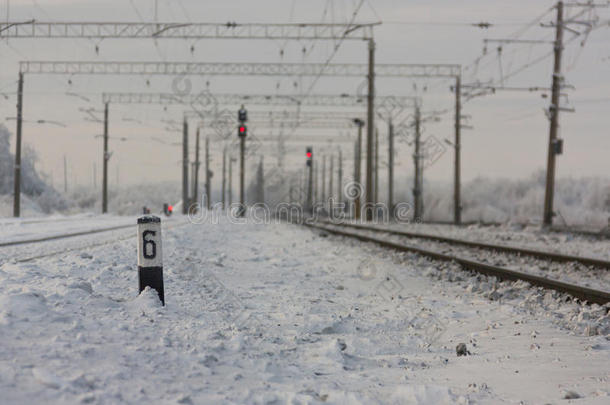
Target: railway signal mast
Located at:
point(309, 160)
point(242, 132)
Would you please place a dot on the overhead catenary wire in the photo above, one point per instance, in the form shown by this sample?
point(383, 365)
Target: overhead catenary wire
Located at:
point(544, 56)
point(336, 47)
point(478, 65)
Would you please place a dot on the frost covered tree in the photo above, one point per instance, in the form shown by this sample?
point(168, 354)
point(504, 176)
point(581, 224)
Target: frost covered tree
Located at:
point(32, 183)
point(254, 192)
point(6, 162)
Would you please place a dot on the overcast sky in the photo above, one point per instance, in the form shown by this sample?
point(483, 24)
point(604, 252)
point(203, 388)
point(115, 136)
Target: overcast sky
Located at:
point(510, 130)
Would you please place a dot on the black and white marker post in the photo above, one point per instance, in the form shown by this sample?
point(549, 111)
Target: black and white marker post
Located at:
point(150, 255)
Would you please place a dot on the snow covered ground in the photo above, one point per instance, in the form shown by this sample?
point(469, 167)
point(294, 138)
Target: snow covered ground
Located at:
point(277, 313)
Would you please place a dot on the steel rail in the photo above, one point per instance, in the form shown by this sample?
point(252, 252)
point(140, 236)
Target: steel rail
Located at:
point(91, 246)
point(546, 255)
point(62, 236)
point(66, 235)
point(583, 293)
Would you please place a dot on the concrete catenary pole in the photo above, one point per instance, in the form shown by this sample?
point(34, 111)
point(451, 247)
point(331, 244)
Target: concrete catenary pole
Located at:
point(370, 126)
point(231, 160)
point(457, 205)
point(65, 175)
point(340, 178)
point(324, 181)
point(105, 158)
point(17, 176)
point(376, 178)
point(331, 173)
point(196, 168)
point(315, 181)
point(390, 167)
point(224, 177)
point(417, 191)
point(261, 181)
point(357, 169)
point(208, 177)
point(554, 119)
point(185, 166)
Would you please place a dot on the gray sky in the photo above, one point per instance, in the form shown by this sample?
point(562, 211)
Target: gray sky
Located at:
point(510, 129)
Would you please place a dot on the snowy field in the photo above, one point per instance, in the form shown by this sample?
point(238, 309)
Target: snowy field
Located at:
point(274, 314)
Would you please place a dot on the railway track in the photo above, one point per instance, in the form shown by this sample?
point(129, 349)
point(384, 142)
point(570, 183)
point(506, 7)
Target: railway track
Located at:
point(63, 236)
point(583, 293)
point(166, 227)
point(68, 235)
point(601, 233)
point(522, 251)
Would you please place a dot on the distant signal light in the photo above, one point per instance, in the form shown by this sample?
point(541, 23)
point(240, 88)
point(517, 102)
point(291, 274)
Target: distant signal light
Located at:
point(309, 155)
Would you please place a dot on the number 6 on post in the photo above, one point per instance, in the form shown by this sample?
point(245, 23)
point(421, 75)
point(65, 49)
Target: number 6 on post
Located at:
point(150, 255)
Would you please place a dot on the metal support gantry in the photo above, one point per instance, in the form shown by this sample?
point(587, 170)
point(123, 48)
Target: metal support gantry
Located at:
point(278, 115)
point(196, 101)
point(206, 99)
point(343, 123)
point(196, 30)
point(289, 120)
point(131, 30)
point(369, 70)
point(240, 69)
